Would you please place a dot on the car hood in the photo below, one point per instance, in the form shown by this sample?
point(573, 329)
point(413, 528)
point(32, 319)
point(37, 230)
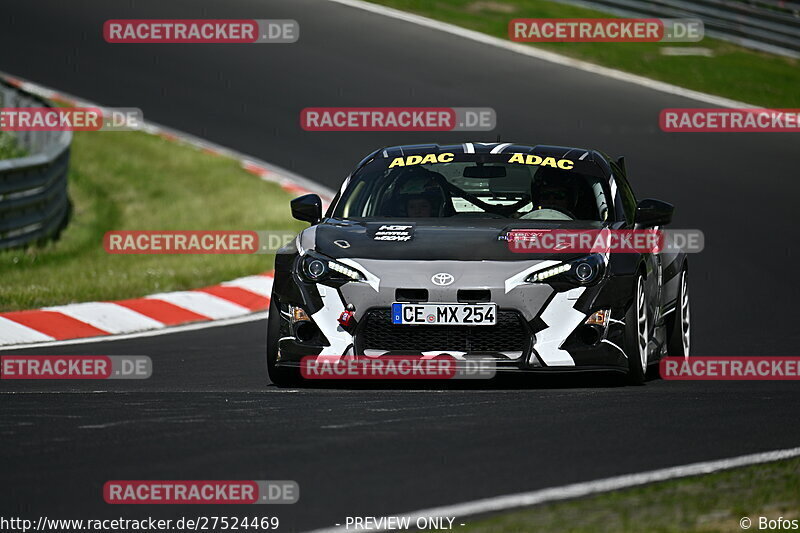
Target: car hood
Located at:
point(422, 239)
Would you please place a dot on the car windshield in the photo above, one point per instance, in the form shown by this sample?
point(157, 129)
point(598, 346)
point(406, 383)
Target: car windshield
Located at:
point(507, 185)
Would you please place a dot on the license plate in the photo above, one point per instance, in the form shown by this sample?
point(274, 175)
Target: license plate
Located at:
point(445, 314)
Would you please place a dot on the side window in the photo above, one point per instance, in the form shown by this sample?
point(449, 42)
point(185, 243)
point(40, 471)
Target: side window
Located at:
point(626, 194)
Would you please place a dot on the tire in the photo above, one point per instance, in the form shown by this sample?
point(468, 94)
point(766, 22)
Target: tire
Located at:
point(280, 376)
point(636, 335)
point(679, 324)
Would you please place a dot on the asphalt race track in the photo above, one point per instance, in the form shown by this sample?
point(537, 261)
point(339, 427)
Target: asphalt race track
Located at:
point(209, 412)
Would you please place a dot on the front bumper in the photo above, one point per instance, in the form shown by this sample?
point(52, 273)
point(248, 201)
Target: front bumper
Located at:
point(538, 328)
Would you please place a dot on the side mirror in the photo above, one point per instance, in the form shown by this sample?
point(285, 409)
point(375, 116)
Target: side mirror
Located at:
point(307, 208)
point(652, 212)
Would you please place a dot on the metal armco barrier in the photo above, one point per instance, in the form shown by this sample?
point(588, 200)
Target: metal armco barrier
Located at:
point(34, 205)
point(767, 25)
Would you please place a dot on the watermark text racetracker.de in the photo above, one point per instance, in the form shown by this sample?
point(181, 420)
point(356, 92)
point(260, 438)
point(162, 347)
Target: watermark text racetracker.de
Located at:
point(132, 242)
point(70, 119)
point(387, 367)
point(537, 241)
point(24, 367)
point(192, 31)
point(719, 120)
point(398, 119)
point(605, 30)
point(730, 368)
point(217, 492)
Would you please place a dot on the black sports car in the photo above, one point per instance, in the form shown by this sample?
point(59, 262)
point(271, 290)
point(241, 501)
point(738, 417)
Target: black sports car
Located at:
point(413, 257)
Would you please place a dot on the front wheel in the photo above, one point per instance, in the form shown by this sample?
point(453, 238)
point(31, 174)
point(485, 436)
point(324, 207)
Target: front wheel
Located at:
point(280, 376)
point(678, 325)
point(636, 335)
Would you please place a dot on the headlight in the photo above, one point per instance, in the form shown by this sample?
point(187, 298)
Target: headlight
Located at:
point(347, 271)
point(585, 272)
point(317, 267)
point(549, 273)
point(581, 271)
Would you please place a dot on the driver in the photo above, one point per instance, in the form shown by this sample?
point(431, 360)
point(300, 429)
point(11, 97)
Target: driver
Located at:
point(554, 196)
point(419, 206)
point(420, 193)
point(552, 189)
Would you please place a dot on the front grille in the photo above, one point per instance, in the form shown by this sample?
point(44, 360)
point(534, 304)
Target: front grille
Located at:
point(376, 332)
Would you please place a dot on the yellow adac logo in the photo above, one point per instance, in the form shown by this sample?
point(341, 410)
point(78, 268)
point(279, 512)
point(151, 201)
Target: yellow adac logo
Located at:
point(530, 159)
point(445, 157)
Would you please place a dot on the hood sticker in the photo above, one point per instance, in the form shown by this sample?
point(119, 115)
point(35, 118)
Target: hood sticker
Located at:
point(391, 232)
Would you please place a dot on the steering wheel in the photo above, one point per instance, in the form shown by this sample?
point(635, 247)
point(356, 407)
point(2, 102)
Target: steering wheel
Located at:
point(484, 214)
point(563, 211)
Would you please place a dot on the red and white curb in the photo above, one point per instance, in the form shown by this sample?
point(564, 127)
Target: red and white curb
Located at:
point(231, 299)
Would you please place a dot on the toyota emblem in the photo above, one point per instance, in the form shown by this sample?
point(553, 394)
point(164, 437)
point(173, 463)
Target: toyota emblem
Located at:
point(442, 279)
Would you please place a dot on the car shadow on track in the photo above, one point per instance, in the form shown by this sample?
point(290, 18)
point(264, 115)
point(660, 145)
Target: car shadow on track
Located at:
point(511, 381)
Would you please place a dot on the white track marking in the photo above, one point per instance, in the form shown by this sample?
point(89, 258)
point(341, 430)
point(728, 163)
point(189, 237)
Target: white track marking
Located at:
point(201, 303)
point(544, 55)
point(107, 316)
point(362, 423)
point(587, 488)
point(17, 333)
point(261, 285)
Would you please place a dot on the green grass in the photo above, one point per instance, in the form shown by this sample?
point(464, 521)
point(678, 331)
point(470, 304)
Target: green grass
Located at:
point(9, 148)
point(734, 72)
point(708, 503)
point(136, 181)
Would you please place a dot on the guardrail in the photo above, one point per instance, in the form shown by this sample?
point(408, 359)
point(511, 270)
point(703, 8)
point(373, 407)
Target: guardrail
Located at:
point(34, 205)
point(768, 25)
